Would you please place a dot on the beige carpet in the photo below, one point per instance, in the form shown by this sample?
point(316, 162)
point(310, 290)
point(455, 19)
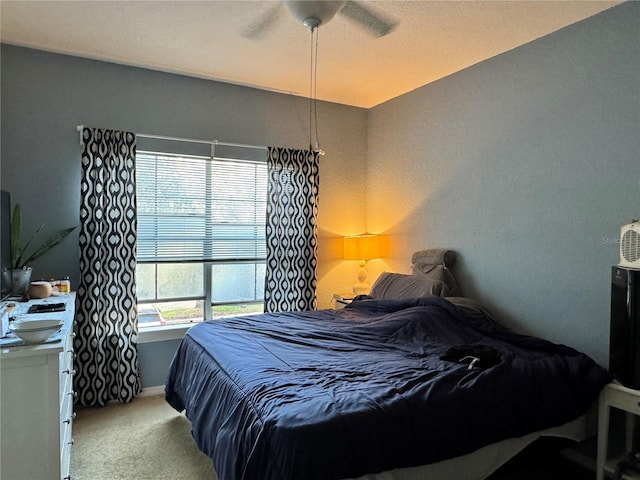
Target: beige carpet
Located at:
point(145, 439)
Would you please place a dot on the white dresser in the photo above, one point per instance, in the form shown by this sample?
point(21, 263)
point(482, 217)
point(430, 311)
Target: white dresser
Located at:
point(36, 403)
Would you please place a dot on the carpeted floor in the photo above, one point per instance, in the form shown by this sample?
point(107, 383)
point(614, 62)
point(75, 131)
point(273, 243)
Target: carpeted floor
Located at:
point(147, 439)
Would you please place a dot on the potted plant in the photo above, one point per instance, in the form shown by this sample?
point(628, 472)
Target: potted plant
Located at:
point(19, 275)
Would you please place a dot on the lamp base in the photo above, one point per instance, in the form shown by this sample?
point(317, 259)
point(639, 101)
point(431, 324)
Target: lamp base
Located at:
point(361, 288)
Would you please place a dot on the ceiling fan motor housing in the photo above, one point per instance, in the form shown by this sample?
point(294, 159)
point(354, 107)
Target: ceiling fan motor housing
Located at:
point(312, 13)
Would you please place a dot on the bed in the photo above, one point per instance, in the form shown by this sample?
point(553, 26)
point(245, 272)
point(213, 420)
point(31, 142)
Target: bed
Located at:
point(407, 383)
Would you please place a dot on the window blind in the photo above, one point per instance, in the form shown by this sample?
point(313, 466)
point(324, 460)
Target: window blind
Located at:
point(194, 208)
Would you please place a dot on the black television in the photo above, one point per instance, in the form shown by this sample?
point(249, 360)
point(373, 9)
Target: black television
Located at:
point(5, 241)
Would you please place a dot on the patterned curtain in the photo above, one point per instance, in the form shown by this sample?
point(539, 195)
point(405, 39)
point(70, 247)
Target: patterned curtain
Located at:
point(106, 317)
point(291, 235)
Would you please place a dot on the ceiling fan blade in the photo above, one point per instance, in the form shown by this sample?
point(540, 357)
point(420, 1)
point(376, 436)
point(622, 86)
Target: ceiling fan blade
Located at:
point(258, 29)
point(371, 21)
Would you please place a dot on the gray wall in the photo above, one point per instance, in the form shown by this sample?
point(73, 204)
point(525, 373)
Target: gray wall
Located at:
point(154, 360)
point(527, 164)
point(45, 95)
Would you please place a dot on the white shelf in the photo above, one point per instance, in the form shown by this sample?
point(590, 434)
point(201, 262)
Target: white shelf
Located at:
point(628, 400)
point(610, 469)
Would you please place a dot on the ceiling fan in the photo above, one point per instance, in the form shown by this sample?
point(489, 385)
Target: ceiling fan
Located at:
point(313, 13)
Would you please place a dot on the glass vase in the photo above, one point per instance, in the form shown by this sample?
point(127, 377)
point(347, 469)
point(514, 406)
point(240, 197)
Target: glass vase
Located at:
point(17, 279)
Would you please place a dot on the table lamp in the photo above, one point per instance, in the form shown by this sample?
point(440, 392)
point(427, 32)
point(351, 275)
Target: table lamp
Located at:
point(361, 248)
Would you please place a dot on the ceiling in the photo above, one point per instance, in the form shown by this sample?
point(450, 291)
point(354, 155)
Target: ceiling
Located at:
point(208, 39)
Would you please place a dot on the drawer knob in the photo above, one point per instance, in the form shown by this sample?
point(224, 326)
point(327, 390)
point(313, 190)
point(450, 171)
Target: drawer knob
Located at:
point(71, 442)
point(72, 371)
point(73, 394)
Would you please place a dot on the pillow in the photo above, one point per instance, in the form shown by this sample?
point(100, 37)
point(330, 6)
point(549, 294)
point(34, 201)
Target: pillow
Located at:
point(396, 286)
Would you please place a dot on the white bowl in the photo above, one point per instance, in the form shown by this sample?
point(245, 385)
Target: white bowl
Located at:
point(35, 331)
point(30, 323)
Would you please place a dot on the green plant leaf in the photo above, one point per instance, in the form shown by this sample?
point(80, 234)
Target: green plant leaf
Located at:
point(15, 236)
point(19, 262)
point(18, 253)
point(51, 242)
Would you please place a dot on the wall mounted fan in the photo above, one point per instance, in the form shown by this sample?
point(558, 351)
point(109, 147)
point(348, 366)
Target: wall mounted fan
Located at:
point(312, 14)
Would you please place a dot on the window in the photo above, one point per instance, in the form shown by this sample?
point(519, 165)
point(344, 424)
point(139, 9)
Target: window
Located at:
point(201, 236)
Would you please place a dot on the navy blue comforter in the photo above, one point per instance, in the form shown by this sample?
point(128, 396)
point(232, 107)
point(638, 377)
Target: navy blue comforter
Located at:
point(340, 393)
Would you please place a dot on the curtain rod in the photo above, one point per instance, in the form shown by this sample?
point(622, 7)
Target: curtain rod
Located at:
point(188, 140)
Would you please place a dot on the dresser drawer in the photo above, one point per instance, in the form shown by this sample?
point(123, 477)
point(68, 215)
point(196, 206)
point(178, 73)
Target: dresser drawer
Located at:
point(66, 368)
point(66, 416)
point(66, 442)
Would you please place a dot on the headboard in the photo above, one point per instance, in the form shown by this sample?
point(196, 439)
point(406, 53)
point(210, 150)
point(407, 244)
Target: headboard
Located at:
point(436, 263)
point(430, 275)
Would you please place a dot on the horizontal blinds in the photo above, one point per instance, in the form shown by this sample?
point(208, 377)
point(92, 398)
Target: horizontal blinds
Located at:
point(194, 208)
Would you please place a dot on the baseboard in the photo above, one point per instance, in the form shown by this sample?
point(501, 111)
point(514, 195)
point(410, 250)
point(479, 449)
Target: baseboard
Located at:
point(152, 391)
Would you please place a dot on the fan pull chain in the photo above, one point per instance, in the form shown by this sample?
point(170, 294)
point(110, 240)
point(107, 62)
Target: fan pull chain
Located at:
point(311, 81)
point(313, 92)
point(315, 95)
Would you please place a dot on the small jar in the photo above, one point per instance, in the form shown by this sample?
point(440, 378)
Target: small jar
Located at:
point(65, 285)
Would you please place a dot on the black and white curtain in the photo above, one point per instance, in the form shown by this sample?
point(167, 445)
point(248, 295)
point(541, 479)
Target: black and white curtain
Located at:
point(106, 311)
point(291, 234)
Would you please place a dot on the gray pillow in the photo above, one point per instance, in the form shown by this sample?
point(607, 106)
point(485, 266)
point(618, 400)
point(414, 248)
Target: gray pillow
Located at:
point(396, 286)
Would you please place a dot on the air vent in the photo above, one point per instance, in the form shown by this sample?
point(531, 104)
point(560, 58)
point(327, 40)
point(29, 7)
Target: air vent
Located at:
point(630, 245)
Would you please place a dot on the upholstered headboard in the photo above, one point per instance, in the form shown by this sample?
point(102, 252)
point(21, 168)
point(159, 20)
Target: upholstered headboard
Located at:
point(433, 256)
point(436, 264)
point(430, 275)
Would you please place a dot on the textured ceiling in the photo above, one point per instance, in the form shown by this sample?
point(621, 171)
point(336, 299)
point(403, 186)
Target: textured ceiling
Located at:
point(208, 39)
